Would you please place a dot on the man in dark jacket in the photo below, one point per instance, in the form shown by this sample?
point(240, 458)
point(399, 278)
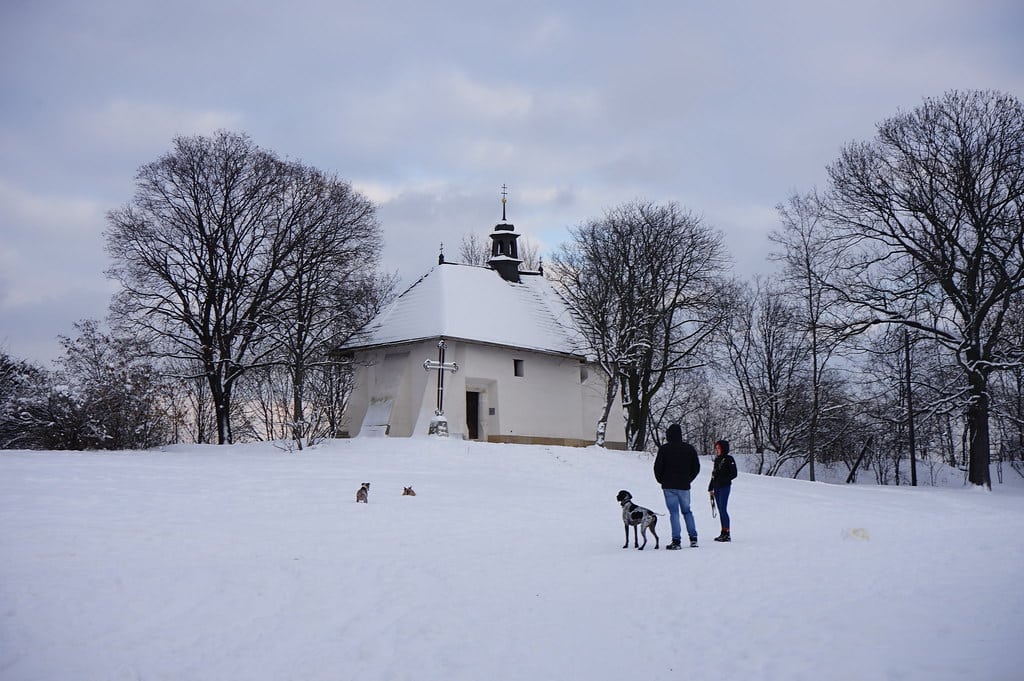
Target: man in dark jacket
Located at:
point(675, 467)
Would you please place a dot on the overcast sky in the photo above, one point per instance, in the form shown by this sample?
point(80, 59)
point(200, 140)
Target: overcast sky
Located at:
point(428, 108)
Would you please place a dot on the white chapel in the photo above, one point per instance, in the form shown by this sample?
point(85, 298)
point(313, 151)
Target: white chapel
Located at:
point(493, 349)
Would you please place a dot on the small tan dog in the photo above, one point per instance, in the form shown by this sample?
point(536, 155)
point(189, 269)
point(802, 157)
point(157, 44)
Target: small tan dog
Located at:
point(363, 493)
point(408, 492)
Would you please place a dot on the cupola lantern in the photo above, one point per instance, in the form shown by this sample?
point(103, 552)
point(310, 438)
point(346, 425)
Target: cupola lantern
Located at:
point(504, 250)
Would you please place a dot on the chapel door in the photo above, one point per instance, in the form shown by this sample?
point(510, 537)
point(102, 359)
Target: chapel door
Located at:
point(473, 415)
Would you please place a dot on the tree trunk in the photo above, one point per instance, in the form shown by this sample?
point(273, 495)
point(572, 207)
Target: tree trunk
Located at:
point(629, 400)
point(298, 389)
point(911, 441)
point(297, 415)
point(1018, 452)
point(977, 423)
point(611, 387)
point(220, 391)
point(852, 477)
point(222, 406)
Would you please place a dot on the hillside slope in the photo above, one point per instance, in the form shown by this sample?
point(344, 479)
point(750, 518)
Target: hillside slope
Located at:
point(250, 563)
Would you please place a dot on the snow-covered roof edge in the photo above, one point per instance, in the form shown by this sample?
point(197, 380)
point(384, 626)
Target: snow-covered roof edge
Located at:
point(473, 303)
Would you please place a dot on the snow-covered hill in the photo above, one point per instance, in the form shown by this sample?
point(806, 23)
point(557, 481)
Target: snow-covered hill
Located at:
point(248, 563)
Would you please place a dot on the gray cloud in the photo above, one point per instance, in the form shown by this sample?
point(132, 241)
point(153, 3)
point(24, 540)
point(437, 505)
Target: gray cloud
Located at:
point(430, 108)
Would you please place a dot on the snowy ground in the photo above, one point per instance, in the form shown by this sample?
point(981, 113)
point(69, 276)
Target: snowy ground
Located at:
point(249, 563)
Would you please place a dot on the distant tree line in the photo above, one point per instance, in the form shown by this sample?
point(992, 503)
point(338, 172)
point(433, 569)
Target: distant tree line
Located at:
point(891, 337)
point(892, 333)
point(104, 394)
point(239, 274)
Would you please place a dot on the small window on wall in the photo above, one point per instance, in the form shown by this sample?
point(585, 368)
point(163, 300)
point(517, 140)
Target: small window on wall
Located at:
point(517, 367)
point(584, 374)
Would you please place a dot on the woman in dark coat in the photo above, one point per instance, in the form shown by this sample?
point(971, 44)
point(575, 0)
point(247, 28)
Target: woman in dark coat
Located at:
point(722, 476)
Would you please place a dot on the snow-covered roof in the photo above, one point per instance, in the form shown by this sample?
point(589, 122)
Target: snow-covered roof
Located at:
point(472, 303)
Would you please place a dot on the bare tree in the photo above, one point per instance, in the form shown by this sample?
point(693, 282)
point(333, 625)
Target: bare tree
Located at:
point(211, 248)
point(691, 399)
point(335, 290)
point(24, 388)
point(811, 263)
point(103, 394)
point(932, 211)
point(529, 253)
point(266, 393)
point(767, 361)
point(1008, 393)
point(117, 390)
point(585, 276)
point(473, 250)
point(644, 282)
point(886, 378)
point(189, 394)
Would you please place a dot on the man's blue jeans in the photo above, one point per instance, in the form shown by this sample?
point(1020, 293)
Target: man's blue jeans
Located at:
point(678, 501)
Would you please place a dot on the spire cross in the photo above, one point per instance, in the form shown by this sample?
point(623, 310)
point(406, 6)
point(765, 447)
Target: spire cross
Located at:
point(504, 193)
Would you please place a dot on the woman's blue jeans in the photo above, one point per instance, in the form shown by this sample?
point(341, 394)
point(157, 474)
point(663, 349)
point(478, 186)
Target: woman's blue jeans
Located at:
point(678, 501)
point(722, 502)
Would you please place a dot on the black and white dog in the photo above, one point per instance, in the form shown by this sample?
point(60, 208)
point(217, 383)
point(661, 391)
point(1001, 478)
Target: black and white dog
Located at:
point(637, 515)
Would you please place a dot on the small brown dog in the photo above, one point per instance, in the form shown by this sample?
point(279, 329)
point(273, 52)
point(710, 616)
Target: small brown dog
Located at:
point(363, 493)
point(408, 492)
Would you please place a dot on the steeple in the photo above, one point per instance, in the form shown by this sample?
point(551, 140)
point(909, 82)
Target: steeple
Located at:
point(504, 251)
